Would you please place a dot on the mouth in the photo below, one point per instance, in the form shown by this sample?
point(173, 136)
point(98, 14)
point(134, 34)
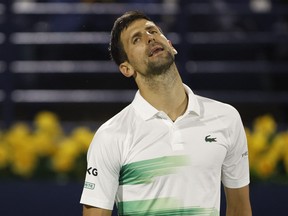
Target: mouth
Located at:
point(156, 49)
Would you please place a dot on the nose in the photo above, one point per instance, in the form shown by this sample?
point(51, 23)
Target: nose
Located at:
point(150, 38)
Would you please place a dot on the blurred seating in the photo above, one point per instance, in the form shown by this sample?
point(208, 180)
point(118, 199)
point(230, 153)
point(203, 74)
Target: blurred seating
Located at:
point(233, 51)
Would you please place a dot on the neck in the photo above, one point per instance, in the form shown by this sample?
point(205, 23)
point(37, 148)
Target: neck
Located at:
point(165, 92)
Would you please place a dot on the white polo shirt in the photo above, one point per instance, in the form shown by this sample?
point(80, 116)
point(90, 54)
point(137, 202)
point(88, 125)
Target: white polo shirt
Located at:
point(150, 165)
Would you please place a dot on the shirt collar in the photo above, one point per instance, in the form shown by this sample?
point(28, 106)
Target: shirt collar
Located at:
point(143, 107)
point(193, 105)
point(147, 111)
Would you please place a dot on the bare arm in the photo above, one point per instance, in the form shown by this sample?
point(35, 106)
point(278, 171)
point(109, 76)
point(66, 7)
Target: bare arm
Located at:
point(238, 201)
point(93, 211)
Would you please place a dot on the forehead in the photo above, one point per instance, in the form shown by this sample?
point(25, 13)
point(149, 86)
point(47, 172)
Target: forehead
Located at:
point(135, 27)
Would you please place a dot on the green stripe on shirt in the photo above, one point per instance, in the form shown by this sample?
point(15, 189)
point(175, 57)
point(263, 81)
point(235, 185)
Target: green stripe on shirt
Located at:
point(143, 172)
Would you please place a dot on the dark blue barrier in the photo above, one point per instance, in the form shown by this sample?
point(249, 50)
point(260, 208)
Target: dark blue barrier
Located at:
point(40, 198)
point(47, 198)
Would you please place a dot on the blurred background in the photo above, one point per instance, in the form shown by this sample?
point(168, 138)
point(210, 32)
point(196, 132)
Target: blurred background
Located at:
point(57, 85)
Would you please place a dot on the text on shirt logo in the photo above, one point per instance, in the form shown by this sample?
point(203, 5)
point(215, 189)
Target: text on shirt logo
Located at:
point(89, 185)
point(92, 171)
point(245, 154)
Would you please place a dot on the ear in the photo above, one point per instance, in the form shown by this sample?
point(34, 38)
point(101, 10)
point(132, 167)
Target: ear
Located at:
point(174, 50)
point(126, 69)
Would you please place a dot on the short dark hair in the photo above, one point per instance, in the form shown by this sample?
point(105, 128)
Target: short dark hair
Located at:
point(116, 49)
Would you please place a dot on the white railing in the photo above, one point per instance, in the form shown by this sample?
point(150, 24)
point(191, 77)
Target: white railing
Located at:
point(60, 38)
point(236, 67)
point(63, 67)
point(72, 96)
point(92, 8)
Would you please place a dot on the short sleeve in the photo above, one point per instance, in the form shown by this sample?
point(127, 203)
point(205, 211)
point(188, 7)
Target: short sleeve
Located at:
point(235, 169)
point(101, 182)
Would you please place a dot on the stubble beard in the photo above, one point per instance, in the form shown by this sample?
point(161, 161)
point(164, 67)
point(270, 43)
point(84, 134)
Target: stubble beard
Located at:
point(159, 68)
point(160, 73)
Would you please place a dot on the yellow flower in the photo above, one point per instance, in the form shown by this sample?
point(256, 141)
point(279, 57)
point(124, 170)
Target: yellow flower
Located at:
point(83, 136)
point(278, 144)
point(47, 122)
point(265, 166)
point(64, 158)
point(23, 155)
point(45, 145)
point(24, 163)
point(17, 133)
point(257, 142)
point(265, 125)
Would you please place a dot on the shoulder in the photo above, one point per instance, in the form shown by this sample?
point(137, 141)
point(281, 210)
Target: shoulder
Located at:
point(225, 113)
point(110, 138)
point(117, 126)
point(215, 107)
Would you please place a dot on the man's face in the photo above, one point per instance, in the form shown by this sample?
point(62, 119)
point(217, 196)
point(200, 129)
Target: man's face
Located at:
point(148, 50)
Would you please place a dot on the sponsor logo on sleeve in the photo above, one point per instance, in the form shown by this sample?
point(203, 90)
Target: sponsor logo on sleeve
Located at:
point(92, 171)
point(89, 185)
point(245, 154)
